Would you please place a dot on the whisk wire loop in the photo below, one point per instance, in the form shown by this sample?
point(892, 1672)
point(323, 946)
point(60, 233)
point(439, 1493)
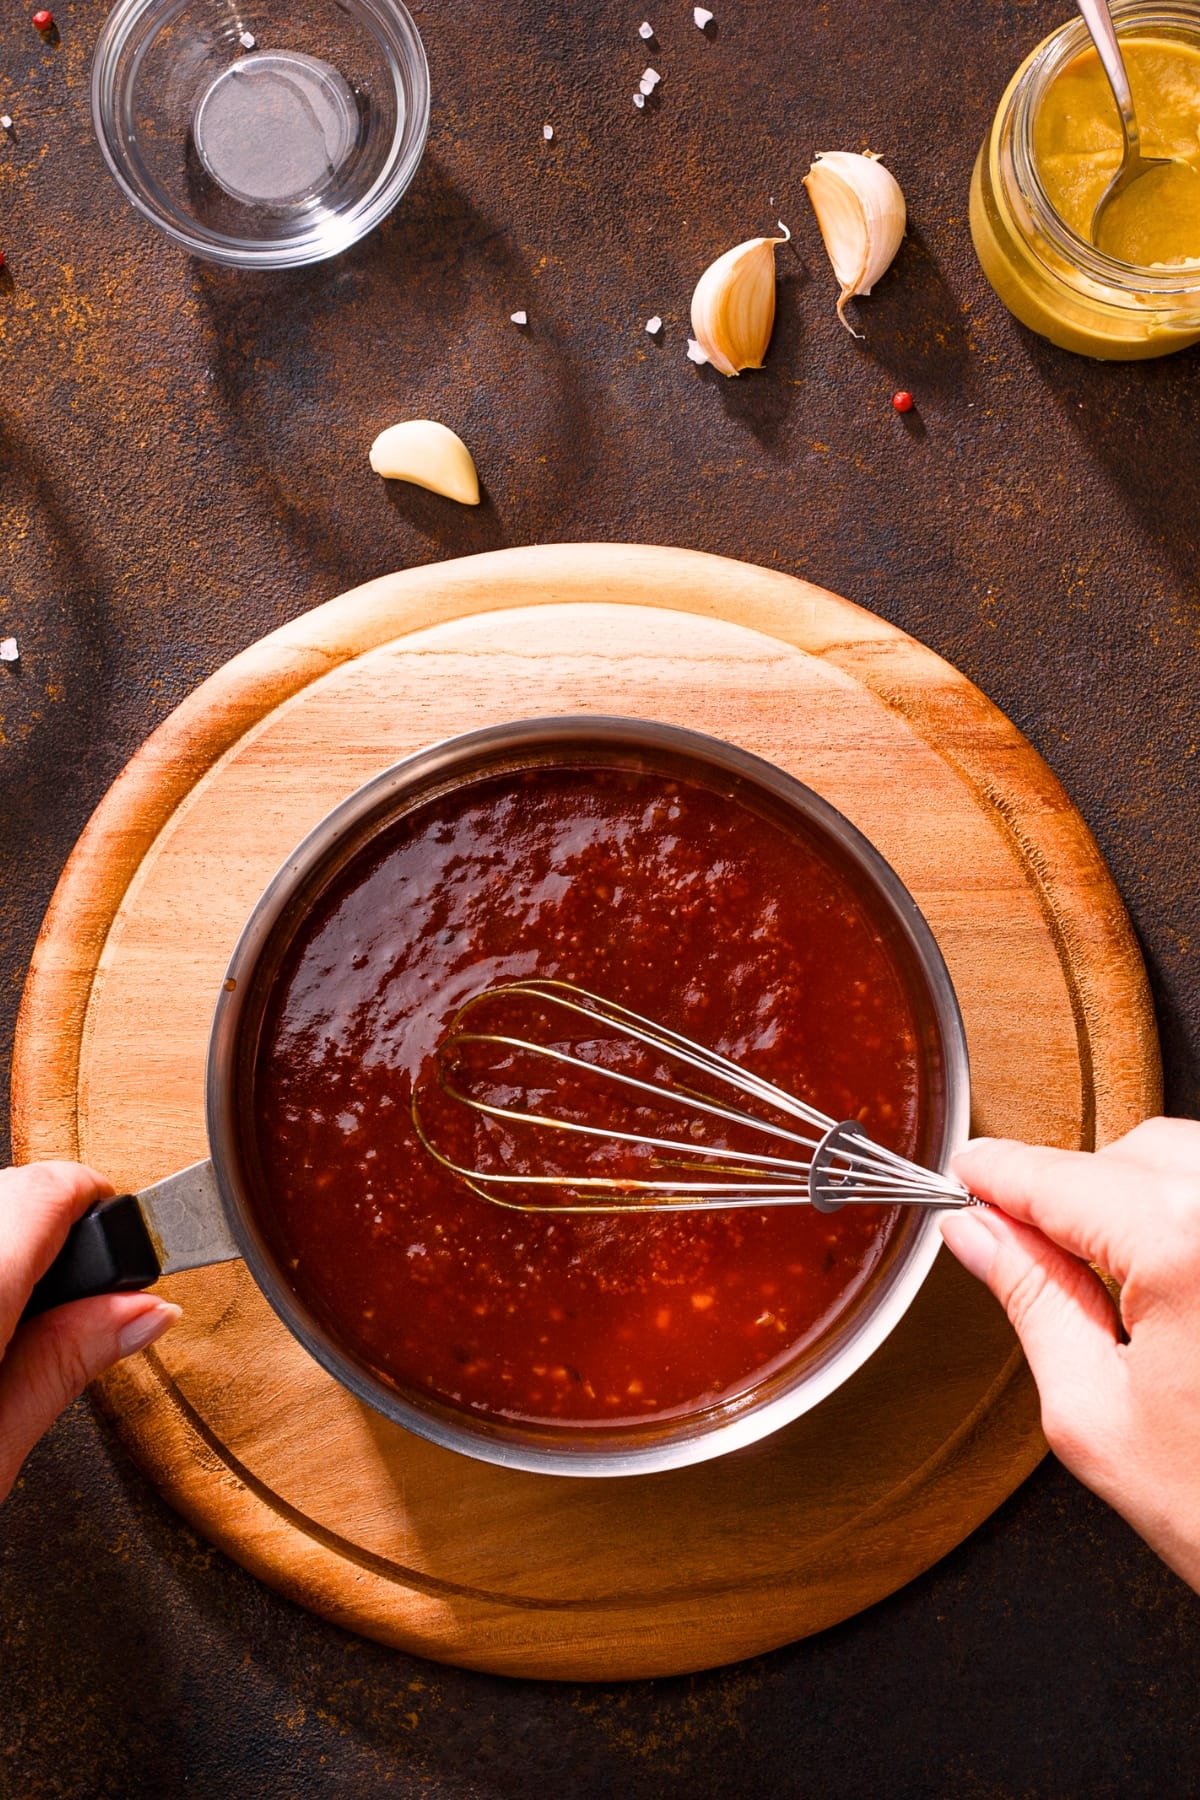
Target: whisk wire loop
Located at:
point(837, 1164)
point(630, 1081)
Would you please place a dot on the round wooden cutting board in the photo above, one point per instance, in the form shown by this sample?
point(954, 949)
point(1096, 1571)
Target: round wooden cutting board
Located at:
point(258, 1447)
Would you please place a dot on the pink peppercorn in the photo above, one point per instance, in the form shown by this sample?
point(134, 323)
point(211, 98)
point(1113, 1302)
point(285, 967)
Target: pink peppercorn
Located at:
point(43, 21)
point(903, 401)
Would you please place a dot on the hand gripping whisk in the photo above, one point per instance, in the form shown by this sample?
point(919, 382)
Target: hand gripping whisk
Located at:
point(629, 1166)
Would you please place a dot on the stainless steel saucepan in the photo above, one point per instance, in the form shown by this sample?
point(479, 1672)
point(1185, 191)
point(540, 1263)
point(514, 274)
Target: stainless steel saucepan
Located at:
point(205, 1214)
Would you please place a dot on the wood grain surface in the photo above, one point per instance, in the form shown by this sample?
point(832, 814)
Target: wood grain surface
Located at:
point(262, 1451)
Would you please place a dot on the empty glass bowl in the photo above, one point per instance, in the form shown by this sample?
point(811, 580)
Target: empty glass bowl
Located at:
point(267, 135)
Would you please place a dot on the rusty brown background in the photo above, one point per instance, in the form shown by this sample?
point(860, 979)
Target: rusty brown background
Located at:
point(184, 467)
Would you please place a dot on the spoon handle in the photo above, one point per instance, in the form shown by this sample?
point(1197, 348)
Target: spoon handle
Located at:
point(1098, 20)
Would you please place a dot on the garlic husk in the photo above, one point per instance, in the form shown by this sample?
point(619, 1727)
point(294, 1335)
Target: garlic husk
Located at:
point(860, 210)
point(430, 456)
point(733, 307)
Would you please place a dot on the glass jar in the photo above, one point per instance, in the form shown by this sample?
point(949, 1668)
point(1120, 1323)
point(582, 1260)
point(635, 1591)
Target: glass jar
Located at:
point(1050, 278)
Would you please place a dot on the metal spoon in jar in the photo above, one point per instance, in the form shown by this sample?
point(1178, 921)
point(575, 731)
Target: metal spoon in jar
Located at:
point(1098, 20)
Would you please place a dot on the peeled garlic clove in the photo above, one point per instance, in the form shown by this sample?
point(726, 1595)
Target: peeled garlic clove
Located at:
point(733, 307)
point(860, 210)
point(430, 456)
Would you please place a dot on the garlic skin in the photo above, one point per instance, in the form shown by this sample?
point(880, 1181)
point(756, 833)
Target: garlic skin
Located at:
point(860, 210)
point(733, 308)
point(430, 456)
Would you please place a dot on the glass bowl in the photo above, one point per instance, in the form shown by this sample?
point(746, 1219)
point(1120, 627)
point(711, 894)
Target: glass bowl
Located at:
point(257, 134)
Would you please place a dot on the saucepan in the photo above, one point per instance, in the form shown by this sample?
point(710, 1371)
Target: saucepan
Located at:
point(206, 1214)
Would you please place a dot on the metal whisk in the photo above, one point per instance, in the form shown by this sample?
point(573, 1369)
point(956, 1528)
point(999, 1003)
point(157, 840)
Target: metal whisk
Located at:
point(819, 1161)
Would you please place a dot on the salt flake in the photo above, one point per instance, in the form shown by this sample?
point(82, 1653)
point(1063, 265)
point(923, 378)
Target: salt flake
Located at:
point(639, 100)
point(548, 133)
point(519, 318)
point(646, 30)
point(702, 16)
point(5, 122)
point(248, 41)
point(9, 651)
point(695, 353)
point(650, 80)
point(654, 325)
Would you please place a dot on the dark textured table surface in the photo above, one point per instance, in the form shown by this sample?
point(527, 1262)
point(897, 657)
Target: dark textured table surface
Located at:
point(184, 467)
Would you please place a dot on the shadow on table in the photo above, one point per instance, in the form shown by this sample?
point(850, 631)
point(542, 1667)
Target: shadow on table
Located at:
point(915, 328)
point(762, 401)
point(1180, 1050)
point(1133, 445)
point(1140, 421)
point(411, 323)
point(272, 1674)
point(58, 607)
point(53, 703)
point(60, 645)
point(188, 1673)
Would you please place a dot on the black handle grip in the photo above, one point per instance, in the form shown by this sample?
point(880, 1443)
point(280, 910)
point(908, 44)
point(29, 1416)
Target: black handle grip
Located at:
point(108, 1251)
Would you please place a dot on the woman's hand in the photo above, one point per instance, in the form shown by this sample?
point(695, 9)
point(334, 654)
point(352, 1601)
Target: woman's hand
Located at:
point(45, 1363)
point(1123, 1416)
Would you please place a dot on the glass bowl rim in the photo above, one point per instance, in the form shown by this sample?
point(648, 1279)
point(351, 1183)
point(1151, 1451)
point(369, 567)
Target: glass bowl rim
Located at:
point(394, 29)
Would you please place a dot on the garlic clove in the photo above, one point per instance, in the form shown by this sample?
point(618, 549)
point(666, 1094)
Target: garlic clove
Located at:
point(733, 308)
point(430, 456)
point(860, 210)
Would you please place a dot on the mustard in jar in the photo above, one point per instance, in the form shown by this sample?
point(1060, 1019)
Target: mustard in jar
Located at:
point(1054, 146)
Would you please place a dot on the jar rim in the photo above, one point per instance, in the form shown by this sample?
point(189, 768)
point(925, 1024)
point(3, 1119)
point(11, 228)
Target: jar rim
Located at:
point(1045, 64)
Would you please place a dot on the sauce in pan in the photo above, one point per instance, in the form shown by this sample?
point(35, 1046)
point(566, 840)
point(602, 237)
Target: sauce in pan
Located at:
point(663, 895)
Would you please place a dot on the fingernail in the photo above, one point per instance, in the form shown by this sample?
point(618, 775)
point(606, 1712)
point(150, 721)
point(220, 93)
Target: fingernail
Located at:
point(148, 1326)
point(970, 1239)
point(973, 1144)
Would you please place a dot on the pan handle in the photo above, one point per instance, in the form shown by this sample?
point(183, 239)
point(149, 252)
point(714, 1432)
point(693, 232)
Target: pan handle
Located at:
point(107, 1251)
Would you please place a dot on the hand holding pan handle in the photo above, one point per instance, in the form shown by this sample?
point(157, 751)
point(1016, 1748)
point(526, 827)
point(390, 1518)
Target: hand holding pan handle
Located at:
point(108, 1251)
point(121, 1245)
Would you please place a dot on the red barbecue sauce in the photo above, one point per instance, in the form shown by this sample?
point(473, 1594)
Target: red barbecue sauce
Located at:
point(658, 893)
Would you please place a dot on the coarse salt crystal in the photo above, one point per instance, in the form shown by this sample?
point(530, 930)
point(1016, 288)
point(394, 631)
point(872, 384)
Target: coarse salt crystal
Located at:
point(639, 99)
point(9, 651)
point(5, 122)
point(654, 325)
point(519, 318)
point(695, 353)
point(650, 80)
point(548, 132)
point(645, 29)
point(248, 41)
point(702, 16)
